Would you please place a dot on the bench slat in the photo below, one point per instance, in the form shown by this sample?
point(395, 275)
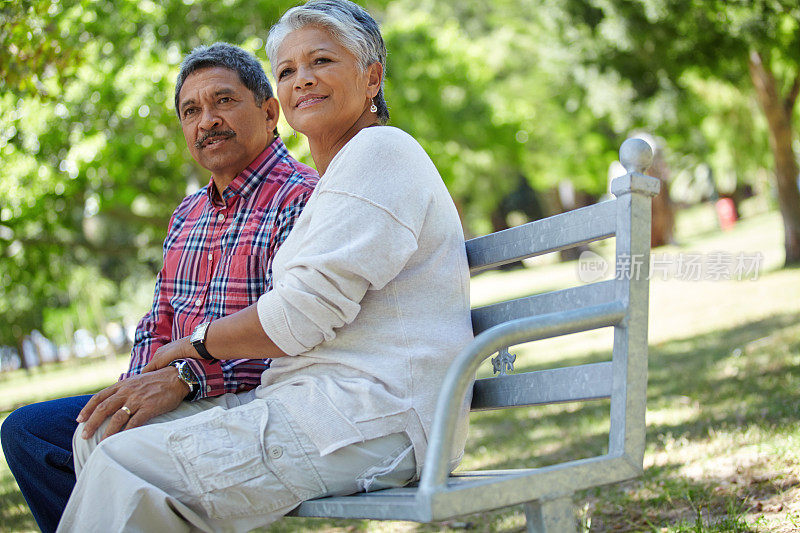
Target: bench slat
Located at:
point(577, 383)
point(483, 494)
point(388, 504)
point(598, 293)
point(565, 230)
point(468, 492)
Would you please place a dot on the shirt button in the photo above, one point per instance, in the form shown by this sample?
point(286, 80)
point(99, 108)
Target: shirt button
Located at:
point(221, 217)
point(198, 302)
point(275, 452)
point(210, 256)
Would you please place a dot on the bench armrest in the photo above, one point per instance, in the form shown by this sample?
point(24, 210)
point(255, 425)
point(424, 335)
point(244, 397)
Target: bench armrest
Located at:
point(462, 372)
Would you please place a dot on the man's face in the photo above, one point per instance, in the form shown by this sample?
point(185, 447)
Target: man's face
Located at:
point(224, 128)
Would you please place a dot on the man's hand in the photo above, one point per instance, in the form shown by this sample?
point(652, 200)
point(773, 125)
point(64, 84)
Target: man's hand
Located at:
point(146, 396)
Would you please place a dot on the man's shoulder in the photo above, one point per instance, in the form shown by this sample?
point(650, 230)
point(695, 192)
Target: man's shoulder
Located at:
point(190, 202)
point(294, 178)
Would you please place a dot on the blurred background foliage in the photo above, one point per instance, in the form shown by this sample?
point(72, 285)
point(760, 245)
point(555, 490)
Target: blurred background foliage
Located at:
point(513, 100)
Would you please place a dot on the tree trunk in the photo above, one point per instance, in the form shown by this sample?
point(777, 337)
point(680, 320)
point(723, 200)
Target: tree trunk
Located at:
point(778, 112)
point(23, 364)
point(662, 225)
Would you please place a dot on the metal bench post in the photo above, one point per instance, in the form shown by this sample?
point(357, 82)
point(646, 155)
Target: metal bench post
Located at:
point(629, 366)
point(550, 516)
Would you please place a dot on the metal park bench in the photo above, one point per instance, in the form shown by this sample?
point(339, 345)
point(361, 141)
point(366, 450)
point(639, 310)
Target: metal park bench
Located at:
point(620, 303)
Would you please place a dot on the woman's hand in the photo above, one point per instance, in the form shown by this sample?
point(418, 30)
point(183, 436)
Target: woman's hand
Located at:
point(236, 336)
point(179, 349)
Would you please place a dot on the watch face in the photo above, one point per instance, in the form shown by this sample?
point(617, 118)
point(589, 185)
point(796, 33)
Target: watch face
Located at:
point(199, 333)
point(185, 373)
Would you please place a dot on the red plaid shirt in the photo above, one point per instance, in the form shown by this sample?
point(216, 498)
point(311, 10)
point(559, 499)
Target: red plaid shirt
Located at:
point(218, 260)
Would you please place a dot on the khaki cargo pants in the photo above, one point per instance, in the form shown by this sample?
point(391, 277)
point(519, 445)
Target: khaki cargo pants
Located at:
point(231, 463)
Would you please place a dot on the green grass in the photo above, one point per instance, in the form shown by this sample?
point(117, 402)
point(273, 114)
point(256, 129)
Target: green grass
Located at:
point(723, 440)
point(70, 378)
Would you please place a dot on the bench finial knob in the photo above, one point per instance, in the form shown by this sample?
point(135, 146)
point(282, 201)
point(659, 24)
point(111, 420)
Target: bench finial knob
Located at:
point(636, 155)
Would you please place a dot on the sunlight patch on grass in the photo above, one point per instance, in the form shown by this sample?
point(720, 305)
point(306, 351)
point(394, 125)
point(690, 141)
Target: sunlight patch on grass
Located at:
point(680, 412)
point(65, 379)
point(752, 470)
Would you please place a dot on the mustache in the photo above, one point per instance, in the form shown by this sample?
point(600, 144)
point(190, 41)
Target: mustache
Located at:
point(214, 133)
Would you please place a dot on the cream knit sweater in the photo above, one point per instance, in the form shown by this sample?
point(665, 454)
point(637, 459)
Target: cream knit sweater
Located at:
point(370, 298)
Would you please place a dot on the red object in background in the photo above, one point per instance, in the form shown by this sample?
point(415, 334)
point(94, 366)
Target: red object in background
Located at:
point(726, 213)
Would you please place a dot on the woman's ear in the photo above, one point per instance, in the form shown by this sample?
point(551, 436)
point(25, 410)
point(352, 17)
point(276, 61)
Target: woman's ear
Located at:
point(374, 79)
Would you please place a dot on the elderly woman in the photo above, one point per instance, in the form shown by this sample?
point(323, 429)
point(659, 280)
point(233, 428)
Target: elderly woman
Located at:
point(369, 307)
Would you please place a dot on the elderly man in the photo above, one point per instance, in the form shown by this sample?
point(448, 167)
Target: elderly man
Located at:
point(217, 260)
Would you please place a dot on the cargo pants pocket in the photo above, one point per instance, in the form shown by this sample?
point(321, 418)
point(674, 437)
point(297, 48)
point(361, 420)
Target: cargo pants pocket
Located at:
point(244, 461)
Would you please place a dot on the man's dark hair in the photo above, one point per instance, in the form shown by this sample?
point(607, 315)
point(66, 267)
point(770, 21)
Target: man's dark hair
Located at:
point(227, 56)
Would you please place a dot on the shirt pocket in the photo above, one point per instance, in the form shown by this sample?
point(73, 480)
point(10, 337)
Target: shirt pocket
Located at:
point(238, 282)
point(183, 282)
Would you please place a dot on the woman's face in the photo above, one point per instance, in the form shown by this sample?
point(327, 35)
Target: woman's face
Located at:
point(321, 87)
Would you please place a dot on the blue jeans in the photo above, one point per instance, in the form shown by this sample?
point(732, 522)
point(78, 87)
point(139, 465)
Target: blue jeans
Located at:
point(37, 443)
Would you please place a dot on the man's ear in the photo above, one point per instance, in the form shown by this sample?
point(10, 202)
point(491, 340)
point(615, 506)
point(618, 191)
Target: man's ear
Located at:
point(374, 78)
point(272, 112)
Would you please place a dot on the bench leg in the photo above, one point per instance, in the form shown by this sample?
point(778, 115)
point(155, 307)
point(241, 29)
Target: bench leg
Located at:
point(551, 516)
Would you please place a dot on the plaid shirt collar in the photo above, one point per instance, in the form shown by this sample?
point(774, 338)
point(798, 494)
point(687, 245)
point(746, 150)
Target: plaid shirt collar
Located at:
point(248, 179)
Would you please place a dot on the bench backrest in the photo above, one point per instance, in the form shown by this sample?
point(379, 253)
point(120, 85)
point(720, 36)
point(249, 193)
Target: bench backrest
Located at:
point(620, 303)
point(623, 379)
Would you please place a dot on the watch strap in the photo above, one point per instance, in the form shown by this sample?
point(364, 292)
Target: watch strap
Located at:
point(201, 349)
point(198, 340)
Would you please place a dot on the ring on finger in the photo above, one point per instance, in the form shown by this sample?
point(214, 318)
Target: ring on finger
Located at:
point(126, 409)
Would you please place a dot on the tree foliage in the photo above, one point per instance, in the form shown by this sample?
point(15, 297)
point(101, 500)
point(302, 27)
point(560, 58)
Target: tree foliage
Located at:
point(499, 93)
point(672, 46)
point(94, 159)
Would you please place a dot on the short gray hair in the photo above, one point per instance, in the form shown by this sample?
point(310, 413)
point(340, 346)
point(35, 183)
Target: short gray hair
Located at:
point(225, 55)
point(348, 23)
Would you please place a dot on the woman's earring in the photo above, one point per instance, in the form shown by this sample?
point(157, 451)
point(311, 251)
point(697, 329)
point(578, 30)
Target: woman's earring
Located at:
point(373, 108)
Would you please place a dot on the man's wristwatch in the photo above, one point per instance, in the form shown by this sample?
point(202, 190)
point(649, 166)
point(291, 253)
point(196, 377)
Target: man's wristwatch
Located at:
point(198, 340)
point(187, 375)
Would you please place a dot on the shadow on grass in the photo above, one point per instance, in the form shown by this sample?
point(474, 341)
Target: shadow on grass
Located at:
point(658, 502)
point(734, 378)
point(747, 375)
point(744, 376)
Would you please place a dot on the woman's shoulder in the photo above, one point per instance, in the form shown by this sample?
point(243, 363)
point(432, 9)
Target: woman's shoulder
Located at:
point(384, 153)
point(385, 142)
point(386, 134)
point(385, 166)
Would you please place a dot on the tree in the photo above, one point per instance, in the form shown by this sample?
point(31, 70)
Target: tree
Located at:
point(94, 160)
point(499, 93)
point(663, 44)
point(439, 87)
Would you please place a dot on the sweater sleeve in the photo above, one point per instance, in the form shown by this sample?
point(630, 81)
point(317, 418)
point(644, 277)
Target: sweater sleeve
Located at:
point(352, 244)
